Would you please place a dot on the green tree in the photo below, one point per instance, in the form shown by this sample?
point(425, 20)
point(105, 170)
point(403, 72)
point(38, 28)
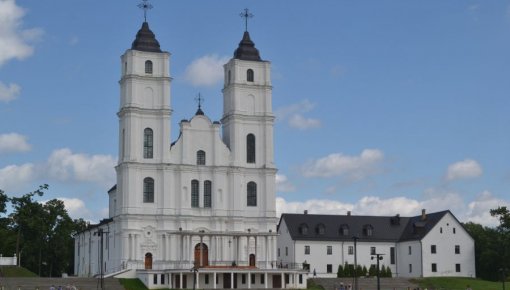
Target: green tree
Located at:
point(340, 272)
point(372, 271)
point(365, 271)
point(347, 270)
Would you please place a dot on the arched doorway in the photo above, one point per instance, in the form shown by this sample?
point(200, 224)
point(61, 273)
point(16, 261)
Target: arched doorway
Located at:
point(201, 250)
point(148, 261)
point(252, 260)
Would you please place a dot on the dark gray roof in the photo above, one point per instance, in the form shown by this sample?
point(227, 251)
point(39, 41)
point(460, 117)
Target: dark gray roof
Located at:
point(246, 49)
point(384, 228)
point(145, 40)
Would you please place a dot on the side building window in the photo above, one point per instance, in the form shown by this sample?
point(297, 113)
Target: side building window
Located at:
point(249, 75)
point(148, 190)
point(200, 157)
point(250, 148)
point(148, 67)
point(148, 144)
point(251, 193)
point(194, 193)
point(207, 193)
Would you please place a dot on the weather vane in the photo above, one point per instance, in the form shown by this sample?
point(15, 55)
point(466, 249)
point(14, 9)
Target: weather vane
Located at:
point(145, 5)
point(246, 14)
point(199, 100)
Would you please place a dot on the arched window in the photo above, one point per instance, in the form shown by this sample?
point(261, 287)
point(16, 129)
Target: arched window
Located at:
point(200, 157)
point(344, 230)
point(229, 77)
point(148, 190)
point(303, 229)
point(148, 67)
point(320, 229)
point(147, 143)
point(207, 193)
point(249, 75)
point(194, 193)
point(251, 195)
point(250, 148)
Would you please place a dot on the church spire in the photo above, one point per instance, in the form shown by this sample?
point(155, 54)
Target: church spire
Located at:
point(145, 39)
point(246, 49)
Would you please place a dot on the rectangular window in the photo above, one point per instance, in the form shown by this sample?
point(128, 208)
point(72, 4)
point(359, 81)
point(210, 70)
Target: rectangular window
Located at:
point(155, 279)
point(454, 230)
point(286, 251)
point(410, 268)
point(329, 268)
point(329, 250)
point(194, 193)
point(262, 279)
point(350, 250)
point(243, 279)
point(372, 250)
point(392, 255)
point(457, 249)
point(300, 278)
point(278, 252)
point(409, 250)
point(457, 268)
point(307, 250)
point(432, 249)
point(434, 267)
point(252, 278)
point(206, 278)
point(162, 279)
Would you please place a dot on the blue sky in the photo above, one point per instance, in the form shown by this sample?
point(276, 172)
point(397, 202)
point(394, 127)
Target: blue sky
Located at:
point(382, 107)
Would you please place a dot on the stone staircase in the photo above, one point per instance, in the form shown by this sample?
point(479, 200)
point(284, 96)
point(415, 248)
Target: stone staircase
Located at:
point(366, 283)
point(46, 283)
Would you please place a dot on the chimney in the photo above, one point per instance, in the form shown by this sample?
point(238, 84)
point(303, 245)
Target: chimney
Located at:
point(423, 215)
point(306, 211)
point(348, 213)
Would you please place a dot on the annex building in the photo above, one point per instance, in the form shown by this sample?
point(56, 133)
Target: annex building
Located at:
point(427, 245)
point(199, 211)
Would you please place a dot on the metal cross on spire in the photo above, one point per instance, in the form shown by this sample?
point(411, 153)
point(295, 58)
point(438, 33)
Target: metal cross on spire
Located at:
point(246, 14)
point(199, 100)
point(145, 5)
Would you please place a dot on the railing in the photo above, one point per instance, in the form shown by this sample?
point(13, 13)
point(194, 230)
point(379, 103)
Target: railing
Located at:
point(186, 265)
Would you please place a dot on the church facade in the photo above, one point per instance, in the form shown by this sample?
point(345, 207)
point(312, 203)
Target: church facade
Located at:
point(198, 212)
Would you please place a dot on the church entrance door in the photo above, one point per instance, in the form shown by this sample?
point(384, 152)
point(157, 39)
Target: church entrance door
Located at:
point(252, 260)
point(148, 261)
point(201, 255)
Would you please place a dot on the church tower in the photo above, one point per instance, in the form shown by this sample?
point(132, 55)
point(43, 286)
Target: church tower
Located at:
point(144, 121)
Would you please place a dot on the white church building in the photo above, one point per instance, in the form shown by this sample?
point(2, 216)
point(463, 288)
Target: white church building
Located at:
point(199, 211)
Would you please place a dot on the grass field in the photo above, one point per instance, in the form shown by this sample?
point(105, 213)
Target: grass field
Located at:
point(15, 271)
point(458, 283)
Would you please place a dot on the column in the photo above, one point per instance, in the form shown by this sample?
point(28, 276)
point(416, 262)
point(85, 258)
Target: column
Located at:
point(265, 280)
point(163, 247)
point(266, 252)
point(182, 282)
point(283, 280)
point(136, 247)
point(214, 279)
point(201, 263)
point(249, 279)
point(190, 250)
point(237, 250)
point(231, 280)
point(256, 257)
point(197, 280)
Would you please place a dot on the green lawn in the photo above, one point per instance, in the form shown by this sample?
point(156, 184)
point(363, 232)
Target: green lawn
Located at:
point(458, 283)
point(15, 271)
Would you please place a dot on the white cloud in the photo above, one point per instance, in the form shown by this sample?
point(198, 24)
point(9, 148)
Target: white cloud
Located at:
point(76, 208)
point(476, 211)
point(14, 41)
point(293, 115)
point(13, 142)
point(206, 71)
point(283, 184)
point(9, 92)
point(299, 122)
point(351, 167)
point(64, 165)
point(14, 177)
point(464, 169)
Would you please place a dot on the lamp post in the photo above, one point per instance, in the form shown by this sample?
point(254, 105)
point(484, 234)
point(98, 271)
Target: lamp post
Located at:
point(355, 238)
point(195, 271)
point(100, 232)
point(378, 257)
point(503, 276)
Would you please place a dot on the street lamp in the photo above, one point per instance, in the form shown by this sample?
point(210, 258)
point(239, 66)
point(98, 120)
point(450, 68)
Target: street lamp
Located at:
point(503, 276)
point(355, 238)
point(100, 232)
point(378, 257)
point(195, 271)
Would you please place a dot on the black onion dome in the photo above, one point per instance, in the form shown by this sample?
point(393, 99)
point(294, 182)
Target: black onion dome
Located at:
point(246, 49)
point(199, 112)
point(145, 40)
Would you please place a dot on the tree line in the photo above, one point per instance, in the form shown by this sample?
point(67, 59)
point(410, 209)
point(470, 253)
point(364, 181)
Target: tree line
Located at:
point(39, 234)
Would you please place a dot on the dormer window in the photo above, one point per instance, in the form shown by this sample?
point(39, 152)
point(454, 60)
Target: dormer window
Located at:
point(303, 229)
point(344, 230)
point(320, 229)
point(148, 67)
point(368, 230)
point(249, 75)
